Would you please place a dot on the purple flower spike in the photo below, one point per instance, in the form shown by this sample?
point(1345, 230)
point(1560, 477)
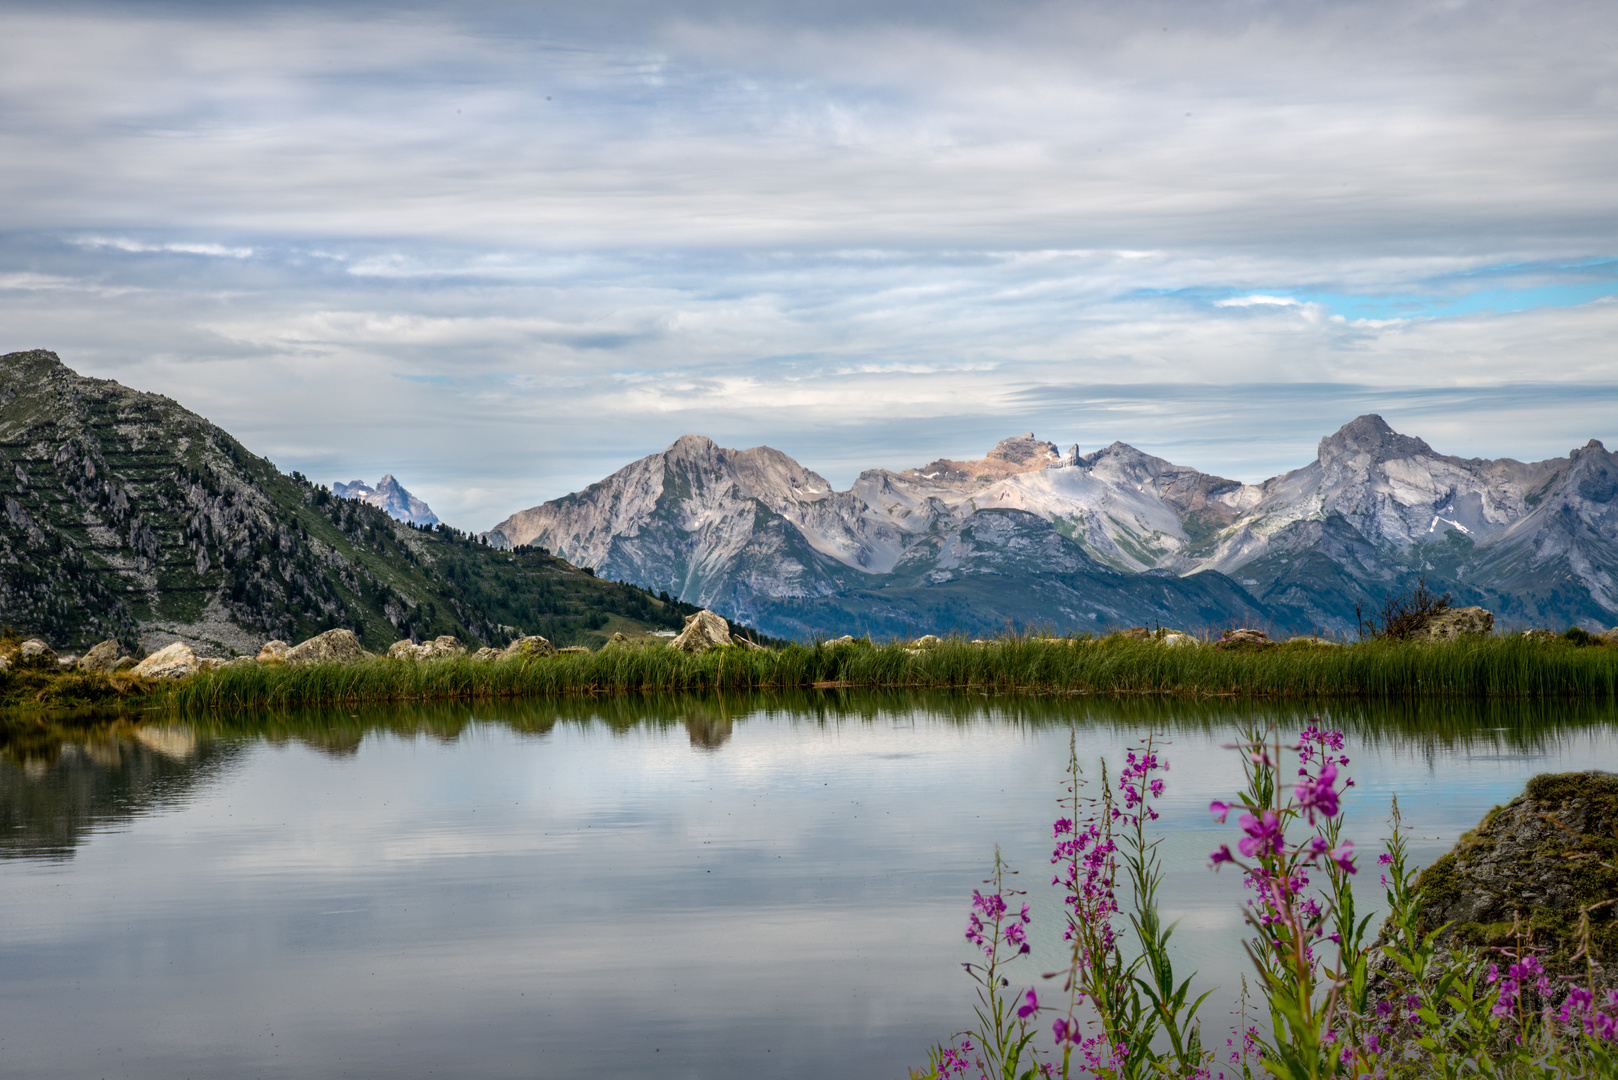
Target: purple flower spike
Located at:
point(1318, 795)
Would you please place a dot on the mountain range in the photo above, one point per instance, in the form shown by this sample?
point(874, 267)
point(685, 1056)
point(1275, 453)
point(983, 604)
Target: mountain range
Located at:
point(1031, 535)
point(390, 497)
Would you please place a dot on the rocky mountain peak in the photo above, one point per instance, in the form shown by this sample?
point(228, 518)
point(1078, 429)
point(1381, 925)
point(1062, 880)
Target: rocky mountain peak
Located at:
point(389, 496)
point(1370, 435)
point(1025, 450)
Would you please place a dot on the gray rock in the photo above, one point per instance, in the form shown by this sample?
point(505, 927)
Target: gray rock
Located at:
point(67, 663)
point(573, 650)
point(533, 645)
point(274, 651)
point(486, 653)
point(1175, 639)
point(176, 661)
point(102, 657)
point(703, 631)
point(441, 646)
point(928, 641)
point(35, 653)
point(333, 647)
point(1452, 623)
point(125, 663)
point(618, 639)
point(1244, 639)
point(1540, 860)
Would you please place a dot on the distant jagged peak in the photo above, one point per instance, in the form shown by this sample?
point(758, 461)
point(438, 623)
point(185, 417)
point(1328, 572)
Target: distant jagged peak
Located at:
point(1010, 457)
point(1025, 450)
point(389, 496)
point(1371, 435)
point(763, 471)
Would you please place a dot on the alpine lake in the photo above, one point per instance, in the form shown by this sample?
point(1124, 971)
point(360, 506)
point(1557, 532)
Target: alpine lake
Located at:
point(755, 885)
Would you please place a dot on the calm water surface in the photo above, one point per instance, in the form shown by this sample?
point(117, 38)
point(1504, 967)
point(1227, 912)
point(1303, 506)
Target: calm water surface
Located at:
point(750, 886)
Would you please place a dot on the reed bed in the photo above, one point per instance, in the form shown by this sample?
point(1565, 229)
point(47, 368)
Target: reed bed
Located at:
point(1508, 668)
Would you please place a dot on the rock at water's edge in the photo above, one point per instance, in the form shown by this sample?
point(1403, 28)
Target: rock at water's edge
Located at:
point(274, 651)
point(1538, 861)
point(703, 631)
point(532, 645)
point(175, 661)
point(333, 647)
point(1452, 623)
point(101, 658)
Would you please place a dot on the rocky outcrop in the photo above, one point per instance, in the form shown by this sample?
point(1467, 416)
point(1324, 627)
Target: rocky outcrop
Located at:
point(273, 652)
point(176, 661)
point(532, 645)
point(703, 631)
point(34, 653)
point(101, 658)
point(333, 647)
point(1535, 866)
point(1452, 623)
point(1244, 639)
point(440, 647)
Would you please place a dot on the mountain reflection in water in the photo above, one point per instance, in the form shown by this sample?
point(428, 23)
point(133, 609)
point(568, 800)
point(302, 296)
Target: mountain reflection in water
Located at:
point(59, 785)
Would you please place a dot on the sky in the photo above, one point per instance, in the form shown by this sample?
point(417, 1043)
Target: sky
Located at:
point(502, 249)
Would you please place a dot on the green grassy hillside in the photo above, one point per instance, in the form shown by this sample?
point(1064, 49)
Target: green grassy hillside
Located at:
point(124, 515)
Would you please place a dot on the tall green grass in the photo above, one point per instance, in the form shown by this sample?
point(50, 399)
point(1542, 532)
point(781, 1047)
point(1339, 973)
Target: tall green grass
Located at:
point(1512, 668)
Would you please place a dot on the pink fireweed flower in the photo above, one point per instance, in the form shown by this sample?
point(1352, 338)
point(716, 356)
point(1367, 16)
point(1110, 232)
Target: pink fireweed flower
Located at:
point(1030, 1007)
point(1318, 795)
point(1221, 854)
point(1065, 1030)
point(1219, 810)
point(1263, 835)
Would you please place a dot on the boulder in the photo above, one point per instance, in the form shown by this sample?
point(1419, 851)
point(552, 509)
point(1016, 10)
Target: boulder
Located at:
point(333, 647)
point(1244, 639)
point(533, 645)
point(125, 663)
point(403, 649)
point(744, 642)
point(1135, 633)
point(102, 657)
point(618, 639)
point(274, 651)
point(573, 650)
point(1539, 861)
point(486, 653)
point(5, 663)
point(1452, 623)
point(1174, 639)
point(441, 646)
point(928, 641)
point(35, 653)
point(1608, 637)
point(212, 663)
point(175, 661)
point(703, 631)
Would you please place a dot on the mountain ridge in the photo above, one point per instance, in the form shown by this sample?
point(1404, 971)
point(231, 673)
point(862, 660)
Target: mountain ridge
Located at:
point(1374, 512)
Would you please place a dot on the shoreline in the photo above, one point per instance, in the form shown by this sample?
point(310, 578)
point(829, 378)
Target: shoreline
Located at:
point(1496, 668)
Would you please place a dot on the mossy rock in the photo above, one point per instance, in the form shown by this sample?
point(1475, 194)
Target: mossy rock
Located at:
point(1533, 867)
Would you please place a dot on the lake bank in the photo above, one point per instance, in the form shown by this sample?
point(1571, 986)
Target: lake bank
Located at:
point(1466, 669)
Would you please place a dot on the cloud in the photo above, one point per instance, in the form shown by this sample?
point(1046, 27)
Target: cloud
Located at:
point(501, 251)
point(136, 246)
